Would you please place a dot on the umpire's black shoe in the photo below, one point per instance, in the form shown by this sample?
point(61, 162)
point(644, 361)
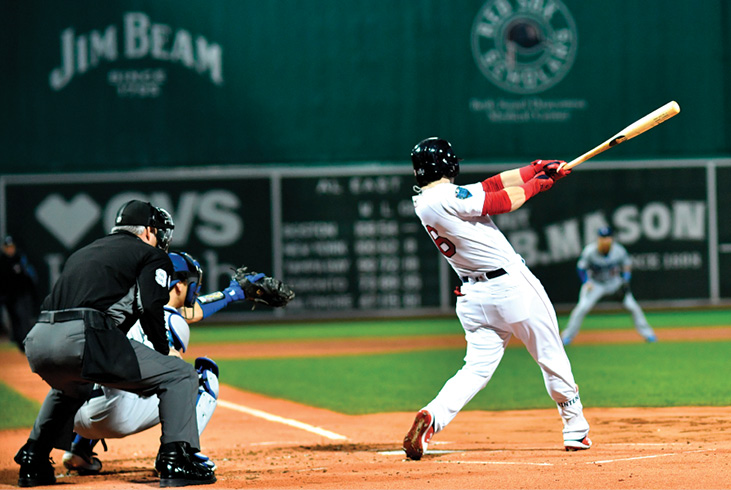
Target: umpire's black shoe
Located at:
point(177, 467)
point(35, 468)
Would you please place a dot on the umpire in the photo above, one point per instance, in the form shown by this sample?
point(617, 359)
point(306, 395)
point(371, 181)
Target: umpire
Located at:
point(79, 340)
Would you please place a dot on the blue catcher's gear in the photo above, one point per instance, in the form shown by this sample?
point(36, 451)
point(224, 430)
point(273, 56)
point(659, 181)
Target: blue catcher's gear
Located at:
point(187, 269)
point(207, 390)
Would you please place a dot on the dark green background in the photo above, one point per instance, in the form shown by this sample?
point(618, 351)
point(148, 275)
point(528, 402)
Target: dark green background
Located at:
point(345, 80)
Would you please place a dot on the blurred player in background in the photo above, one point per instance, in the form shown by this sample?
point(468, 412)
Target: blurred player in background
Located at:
point(605, 270)
point(499, 296)
point(113, 413)
point(18, 291)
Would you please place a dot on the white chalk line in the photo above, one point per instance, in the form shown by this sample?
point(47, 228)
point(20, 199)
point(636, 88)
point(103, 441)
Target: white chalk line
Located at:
point(647, 457)
point(282, 420)
point(496, 462)
point(529, 463)
point(644, 444)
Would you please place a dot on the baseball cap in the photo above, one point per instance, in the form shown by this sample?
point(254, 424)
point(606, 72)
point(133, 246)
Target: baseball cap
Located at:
point(605, 231)
point(134, 213)
point(141, 213)
point(8, 240)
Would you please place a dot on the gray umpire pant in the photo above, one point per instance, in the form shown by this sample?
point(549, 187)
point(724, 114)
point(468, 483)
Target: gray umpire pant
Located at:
point(55, 351)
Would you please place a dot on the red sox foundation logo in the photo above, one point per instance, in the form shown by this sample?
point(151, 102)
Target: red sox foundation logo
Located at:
point(524, 47)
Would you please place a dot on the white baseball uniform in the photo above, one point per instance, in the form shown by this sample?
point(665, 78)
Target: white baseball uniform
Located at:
point(501, 298)
point(117, 413)
point(604, 278)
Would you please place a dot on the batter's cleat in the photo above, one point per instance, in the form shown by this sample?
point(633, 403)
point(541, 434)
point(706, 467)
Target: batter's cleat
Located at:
point(419, 435)
point(82, 458)
point(178, 467)
point(579, 445)
point(651, 339)
point(35, 469)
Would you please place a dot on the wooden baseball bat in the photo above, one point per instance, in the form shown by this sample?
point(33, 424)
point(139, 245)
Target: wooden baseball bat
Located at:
point(638, 127)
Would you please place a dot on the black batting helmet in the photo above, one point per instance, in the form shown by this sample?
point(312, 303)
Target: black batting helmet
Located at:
point(433, 158)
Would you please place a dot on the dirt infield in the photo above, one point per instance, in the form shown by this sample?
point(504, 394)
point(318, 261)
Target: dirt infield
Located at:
point(261, 442)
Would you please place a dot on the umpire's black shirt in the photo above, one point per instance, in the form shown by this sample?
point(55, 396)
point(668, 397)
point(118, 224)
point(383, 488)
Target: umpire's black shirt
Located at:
point(121, 276)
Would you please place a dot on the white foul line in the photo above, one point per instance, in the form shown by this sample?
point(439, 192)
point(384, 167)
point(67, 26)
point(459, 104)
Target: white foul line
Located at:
point(648, 457)
point(496, 462)
point(281, 420)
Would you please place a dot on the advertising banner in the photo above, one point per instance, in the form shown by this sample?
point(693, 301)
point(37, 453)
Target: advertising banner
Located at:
point(220, 226)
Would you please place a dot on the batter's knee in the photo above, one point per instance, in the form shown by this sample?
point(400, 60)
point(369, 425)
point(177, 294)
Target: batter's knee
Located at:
point(480, 368)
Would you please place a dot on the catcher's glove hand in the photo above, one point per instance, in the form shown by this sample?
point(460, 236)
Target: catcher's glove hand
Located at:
point(263, 289)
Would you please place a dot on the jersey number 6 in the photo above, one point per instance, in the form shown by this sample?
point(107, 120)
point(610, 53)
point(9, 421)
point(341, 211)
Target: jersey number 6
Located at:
point(445, 246)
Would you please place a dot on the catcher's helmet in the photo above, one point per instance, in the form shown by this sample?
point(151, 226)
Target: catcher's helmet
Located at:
point(187, 269)
point(140, 213)
point(433, 158)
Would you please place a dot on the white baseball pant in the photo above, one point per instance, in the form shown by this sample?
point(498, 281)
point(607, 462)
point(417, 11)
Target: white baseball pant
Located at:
point(491, 311)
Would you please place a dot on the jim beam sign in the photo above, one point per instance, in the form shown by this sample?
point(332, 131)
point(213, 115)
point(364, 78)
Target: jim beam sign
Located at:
point(137, 38)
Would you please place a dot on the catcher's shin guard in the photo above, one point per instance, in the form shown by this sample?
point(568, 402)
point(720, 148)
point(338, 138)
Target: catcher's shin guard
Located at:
point(207, 391)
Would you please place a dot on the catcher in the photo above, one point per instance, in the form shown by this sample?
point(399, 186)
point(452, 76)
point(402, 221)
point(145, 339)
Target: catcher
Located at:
point(115, 413)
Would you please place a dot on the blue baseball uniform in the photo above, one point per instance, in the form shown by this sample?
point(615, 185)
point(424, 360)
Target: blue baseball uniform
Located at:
point(605, 275)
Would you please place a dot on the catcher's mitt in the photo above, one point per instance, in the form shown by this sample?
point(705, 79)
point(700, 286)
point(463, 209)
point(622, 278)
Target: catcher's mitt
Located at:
point(262, 288)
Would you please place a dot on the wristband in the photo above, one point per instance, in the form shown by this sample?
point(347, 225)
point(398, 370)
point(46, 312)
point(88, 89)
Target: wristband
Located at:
point(528, 172)
point(211, 303)
point(582, 275)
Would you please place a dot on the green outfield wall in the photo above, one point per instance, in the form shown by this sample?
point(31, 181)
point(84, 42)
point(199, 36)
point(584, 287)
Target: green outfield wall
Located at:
point(93, 86)
point(278, 134)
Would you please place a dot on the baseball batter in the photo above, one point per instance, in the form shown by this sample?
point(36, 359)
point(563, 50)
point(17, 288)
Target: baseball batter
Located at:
point(605, 269)
point(499, 296)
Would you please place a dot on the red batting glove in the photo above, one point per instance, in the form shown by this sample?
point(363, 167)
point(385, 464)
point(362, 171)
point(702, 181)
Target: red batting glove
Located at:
point(552, 170)
point(540, 165)
point(540, 183)
point(536, 167)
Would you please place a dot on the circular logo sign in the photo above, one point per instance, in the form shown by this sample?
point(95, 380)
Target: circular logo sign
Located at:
point(524, 47)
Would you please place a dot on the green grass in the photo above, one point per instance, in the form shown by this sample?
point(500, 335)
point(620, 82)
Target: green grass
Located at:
point(18, 411)
point(434, 326)
point(663, 374)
